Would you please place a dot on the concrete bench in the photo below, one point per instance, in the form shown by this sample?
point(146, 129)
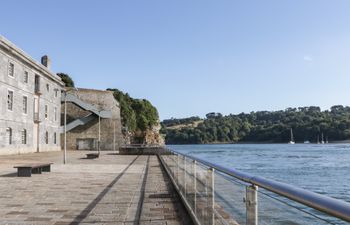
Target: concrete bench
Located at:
point(92, 155)
point(29, 169)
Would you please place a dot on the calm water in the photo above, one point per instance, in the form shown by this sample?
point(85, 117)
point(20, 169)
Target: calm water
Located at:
point(324, 169)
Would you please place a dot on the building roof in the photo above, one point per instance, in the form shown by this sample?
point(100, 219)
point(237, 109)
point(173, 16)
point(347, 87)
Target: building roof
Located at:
point(23, 56)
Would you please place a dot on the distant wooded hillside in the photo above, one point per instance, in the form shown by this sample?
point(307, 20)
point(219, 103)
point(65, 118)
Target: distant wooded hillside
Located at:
point(308, 124)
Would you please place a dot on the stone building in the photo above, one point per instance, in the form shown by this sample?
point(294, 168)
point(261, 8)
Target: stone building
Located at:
point(85, 108)
point(30, 102)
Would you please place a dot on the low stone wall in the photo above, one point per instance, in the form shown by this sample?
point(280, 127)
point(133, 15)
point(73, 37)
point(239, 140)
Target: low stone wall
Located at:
point(133, 150)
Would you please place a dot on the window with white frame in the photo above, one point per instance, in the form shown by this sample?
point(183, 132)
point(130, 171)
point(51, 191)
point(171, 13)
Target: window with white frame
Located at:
point(25, 104)
point(9, 100)
point(24, 136)
point(47, 87)
point(46, 137)
point(11, 69)
point(56, 93)
point(46, 111)
point(55, 113)
point(25, 77)
point(9, 135)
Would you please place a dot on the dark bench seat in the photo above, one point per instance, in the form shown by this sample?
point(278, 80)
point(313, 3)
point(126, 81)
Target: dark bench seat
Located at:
point(29, 169)
point(92, 155)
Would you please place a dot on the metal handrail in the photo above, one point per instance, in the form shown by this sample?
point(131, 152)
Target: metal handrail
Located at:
point(141, 146)
point(331, 206)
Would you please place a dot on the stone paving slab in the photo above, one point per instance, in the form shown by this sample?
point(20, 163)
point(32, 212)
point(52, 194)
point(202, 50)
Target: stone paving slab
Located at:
point(160, 203)
point(113, 189)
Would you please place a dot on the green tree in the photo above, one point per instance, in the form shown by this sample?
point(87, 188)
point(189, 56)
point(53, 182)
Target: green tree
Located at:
point(137, 114)
point(308, 123)
point(66, 79)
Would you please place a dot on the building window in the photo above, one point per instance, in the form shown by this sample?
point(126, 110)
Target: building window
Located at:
point(55, 112)
point(46, 111)
point(25, 104)
point(55, 138)
point(24, 136)
point(47, 137)
point(25, 77)
point(11, 69)
point(10, 100)
point(9, 135)
point(47, 87)
point(37, 84)
point(56, 93)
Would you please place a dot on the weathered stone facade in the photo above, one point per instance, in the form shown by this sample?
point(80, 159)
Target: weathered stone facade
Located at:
point(85, 136)
point(30, 100)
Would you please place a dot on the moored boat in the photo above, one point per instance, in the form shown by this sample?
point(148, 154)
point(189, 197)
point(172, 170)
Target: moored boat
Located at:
point(292, 142)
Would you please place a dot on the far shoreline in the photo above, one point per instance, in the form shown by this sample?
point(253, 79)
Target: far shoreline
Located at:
point(277, 143)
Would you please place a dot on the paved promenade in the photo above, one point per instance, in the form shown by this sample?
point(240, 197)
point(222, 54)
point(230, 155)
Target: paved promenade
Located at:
point(114, 189)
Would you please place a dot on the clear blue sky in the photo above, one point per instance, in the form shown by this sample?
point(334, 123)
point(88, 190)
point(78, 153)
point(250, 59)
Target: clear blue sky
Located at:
point(190, 57)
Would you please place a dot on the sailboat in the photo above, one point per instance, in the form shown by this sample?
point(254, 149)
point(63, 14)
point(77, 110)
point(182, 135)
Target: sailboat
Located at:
point(322, 141)
point(318, 139)
point(291, 137)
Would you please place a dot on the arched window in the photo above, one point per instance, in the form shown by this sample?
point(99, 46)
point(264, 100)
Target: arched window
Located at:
point(24, 136)
point(47, 137)
point(9, 135)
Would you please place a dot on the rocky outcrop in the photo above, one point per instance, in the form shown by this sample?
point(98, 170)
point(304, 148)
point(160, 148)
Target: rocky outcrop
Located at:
point(149, 137)
point(153, 136)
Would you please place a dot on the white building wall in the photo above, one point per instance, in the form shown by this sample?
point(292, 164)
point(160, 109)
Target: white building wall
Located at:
point(16, 119)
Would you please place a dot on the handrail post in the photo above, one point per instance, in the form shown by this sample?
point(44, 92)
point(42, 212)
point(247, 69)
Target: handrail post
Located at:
point(174, 164)
point(195, 186)
point(184, 184)
point(171, 163)
point(178, 169)
point(252, 204)
point(210, 196)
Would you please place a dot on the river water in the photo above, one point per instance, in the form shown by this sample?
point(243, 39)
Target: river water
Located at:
point(324, 169)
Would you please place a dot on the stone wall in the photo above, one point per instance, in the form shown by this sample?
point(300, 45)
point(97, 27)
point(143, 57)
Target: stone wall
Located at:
point(111, 135)
point(17, 119)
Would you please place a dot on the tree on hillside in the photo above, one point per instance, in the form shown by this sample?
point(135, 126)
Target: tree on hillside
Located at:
point(66, 79)
point(308, 123)
point(137, 114)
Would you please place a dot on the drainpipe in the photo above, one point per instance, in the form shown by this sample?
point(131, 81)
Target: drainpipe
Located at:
point(38, 127)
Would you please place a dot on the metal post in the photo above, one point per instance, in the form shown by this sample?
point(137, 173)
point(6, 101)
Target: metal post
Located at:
point(252, 204)
point(195, 187)
point(185, 175)
point(211, 196)
point(178, 169)
point(99, 131)
point(173, 166)
point(65, 128)
point(114, 135)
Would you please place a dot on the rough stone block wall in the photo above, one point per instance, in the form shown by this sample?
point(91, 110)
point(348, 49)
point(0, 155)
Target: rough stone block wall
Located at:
point(110, 128)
